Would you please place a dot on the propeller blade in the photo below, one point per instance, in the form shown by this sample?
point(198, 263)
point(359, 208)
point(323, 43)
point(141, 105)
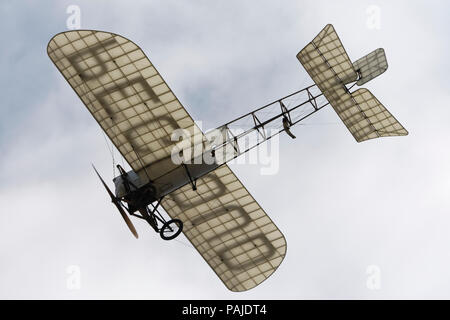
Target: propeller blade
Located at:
point(119, 207)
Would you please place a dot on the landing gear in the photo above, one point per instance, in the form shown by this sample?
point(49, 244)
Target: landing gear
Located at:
point(169, 229)
point(142, 199)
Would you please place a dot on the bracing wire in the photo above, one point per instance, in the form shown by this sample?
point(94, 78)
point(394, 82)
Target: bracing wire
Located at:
point(185, 244)
point(111, 151)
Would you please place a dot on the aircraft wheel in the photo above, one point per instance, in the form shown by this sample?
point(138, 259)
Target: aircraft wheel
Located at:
point(171, 229)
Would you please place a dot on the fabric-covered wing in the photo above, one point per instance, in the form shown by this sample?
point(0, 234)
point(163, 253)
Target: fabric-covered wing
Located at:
point(123, 91)
point(137, 110)
point(229, 229)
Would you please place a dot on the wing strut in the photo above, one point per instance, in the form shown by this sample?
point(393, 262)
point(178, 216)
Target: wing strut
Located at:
point(191, 180)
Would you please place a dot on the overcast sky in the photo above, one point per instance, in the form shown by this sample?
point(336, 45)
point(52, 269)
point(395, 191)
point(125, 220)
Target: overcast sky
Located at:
point(350, 212)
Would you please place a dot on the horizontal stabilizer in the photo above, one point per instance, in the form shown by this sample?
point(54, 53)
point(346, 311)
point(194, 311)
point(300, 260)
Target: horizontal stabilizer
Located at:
point(326, 61)
point(366, 118)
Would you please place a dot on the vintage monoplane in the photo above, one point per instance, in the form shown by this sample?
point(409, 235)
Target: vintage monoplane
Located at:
point(204, 199)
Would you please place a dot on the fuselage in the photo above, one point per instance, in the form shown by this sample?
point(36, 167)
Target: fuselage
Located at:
point(143, 187)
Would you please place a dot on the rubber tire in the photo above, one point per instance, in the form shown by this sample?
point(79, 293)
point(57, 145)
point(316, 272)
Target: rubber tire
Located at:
point(165, 225)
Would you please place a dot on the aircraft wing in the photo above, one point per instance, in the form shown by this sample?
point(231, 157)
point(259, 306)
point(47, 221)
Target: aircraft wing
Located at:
point(138, 111)
point(229, 229)
point(123, 91)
